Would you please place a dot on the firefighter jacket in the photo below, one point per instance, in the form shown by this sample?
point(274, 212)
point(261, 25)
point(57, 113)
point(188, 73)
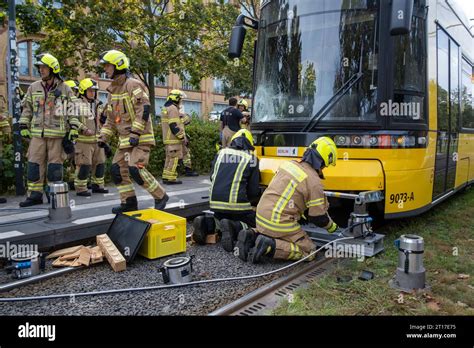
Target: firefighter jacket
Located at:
point(235, 178)
point(128, 112)
point(49, 113)
point(4, 120)
point(295, 187)
point(89, 114)
point(172, 124)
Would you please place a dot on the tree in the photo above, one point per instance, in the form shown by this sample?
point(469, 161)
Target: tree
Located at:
point(159, 37)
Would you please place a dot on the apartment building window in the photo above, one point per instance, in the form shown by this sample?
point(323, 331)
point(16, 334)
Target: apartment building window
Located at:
point(218, 86)
point(219, 107)
point(159, 103)
point(192, 107)
point(161, 81)
point(103, 76)
point(187, 85)
point(27, 50)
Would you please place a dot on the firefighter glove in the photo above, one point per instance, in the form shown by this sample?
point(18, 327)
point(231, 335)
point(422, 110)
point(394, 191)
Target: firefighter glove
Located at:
point(73, 134)
point(333, 227)
point(24, 131)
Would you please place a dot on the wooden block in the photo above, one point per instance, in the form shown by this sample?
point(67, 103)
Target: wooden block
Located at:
point(212, 238)
point(65, 251)
point(71, 256)
point(85, 257)
point(113, 255)
point(59, 263)
point(75, 263)
point(96, 255)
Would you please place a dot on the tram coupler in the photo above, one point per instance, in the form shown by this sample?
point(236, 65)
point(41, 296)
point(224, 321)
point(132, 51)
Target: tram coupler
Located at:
point(366, 242)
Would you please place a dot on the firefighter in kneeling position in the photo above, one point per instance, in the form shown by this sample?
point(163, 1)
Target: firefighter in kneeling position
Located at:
point(235, 178)
point(47, 119)
point(128, 113)
point(89, 157)
point(295, 188)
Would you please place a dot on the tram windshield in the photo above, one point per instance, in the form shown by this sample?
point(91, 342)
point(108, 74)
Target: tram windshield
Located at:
point(307, 51)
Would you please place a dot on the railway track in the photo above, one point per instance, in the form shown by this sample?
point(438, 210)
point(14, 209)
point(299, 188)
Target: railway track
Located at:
point(262, 300)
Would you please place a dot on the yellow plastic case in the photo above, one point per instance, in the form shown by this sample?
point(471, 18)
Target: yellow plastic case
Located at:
point(167, 236)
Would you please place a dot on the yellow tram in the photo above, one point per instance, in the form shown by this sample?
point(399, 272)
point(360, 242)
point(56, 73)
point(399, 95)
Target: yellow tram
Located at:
point(390, 81)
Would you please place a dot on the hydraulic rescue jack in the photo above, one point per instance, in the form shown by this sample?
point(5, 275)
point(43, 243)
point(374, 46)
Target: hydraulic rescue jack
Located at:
point(365, 241)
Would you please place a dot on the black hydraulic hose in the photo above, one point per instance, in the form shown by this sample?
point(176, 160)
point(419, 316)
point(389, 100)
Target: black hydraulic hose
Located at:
point(159, 287)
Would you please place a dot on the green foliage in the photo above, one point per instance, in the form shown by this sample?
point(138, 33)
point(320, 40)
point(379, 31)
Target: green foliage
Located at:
point(191, 39)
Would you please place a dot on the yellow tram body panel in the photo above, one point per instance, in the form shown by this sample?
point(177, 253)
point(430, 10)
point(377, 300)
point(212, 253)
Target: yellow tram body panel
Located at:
point(405, 175)
point(465, 159)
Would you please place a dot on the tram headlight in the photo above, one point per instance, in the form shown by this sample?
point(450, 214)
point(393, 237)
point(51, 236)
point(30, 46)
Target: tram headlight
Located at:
point(340, 140)
point(373, 140)
point(357, 140)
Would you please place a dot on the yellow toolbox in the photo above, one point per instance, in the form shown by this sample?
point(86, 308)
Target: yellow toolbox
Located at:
point(166, 236)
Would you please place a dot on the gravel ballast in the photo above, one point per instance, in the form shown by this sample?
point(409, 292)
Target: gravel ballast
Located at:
point(210, 261)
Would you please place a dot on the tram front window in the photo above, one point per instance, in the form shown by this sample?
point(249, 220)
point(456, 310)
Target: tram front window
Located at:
point(308, 50)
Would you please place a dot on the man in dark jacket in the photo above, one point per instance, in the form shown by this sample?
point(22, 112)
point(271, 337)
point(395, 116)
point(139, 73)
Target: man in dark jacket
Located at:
point(235, 181)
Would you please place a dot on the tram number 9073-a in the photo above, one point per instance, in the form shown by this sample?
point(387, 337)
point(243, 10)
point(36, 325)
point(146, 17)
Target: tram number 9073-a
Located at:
point(402, 197)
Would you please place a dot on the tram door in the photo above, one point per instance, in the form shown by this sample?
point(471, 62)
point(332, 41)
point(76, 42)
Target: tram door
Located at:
point(448, 57)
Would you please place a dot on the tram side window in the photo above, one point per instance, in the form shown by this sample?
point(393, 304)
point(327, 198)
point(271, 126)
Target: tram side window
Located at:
point(410, 65)
point(443, 81)
point(467, 89)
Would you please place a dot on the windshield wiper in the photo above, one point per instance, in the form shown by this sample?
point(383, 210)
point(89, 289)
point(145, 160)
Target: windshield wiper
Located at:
point(332, 101)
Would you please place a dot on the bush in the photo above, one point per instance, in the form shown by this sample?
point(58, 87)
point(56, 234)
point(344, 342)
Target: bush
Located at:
point(203, 136)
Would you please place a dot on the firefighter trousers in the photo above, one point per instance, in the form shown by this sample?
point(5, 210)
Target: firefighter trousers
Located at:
point(45, 155)
point(290, 246)
point(90, 161)
point(246, 219)
point(130, 163)
point(174, 153)
point(227, 135)
point(187, 157)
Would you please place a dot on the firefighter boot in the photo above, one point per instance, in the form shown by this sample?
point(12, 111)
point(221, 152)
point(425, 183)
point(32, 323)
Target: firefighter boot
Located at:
point(230, 230)
point(172, 182)
point(160, 204)
point(264, 247)
point(34, 199)
point(189, 172)
point(245, 242)
point(84, 194)
point(203, 225)
point(97, 189)
point(130, 204)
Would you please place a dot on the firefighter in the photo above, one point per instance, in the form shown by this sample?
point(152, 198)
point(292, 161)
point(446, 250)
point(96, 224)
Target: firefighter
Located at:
point(71, 166)
point(174, 136)
point(296, 187)
point(47, 119)
point(5, 131)
point(188, 166)
point(89, 157)
point(235, 181)
point(243, 107)
point(230, 122)
point(128, 113)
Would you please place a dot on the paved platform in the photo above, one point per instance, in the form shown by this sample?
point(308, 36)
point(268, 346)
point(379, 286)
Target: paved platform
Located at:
point(92, 215)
